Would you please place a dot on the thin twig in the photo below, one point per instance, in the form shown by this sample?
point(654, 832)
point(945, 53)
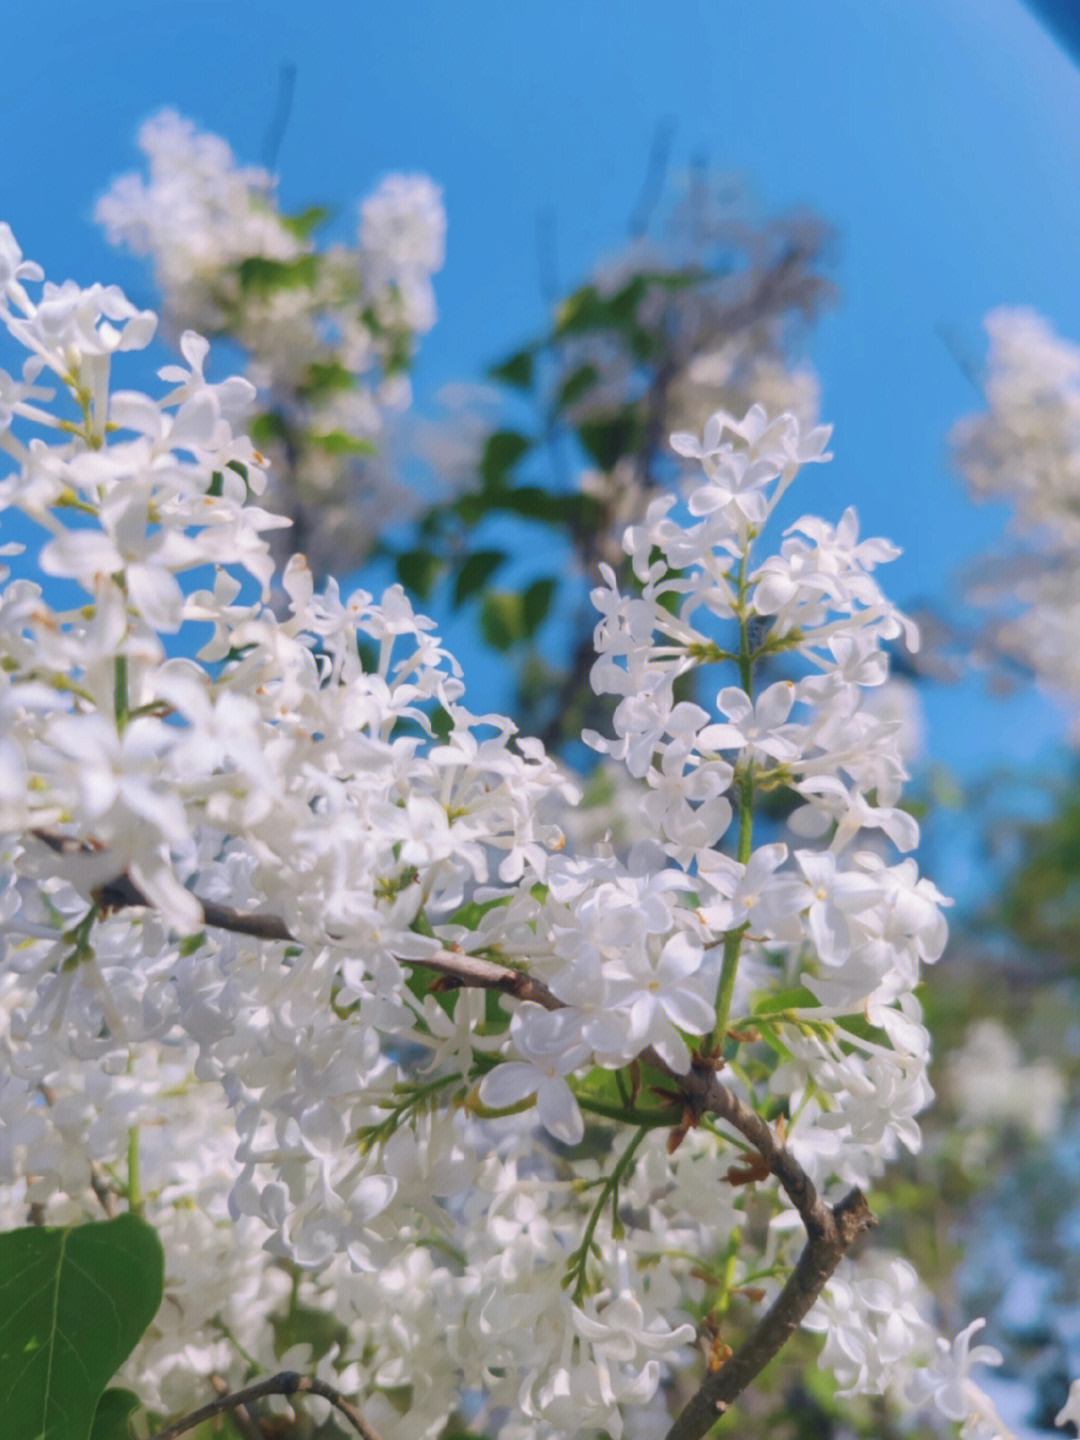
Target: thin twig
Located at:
point(241, 1415)
point(287, 1383)
point(456, 967)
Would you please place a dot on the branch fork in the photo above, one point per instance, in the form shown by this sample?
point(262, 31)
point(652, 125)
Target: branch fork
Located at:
point(831, 1230)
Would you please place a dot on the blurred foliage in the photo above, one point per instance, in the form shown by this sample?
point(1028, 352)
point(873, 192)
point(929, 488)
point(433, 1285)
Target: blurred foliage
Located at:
point(661, 336)
point(1038, 903)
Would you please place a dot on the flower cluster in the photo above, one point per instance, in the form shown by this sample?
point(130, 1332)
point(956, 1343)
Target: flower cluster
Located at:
point(879, 1340)
point(495, 1107)
point(329, 333)
point(1026, 450)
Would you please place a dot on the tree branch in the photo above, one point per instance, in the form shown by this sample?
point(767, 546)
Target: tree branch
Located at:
point(455, 966)
point(287, 1383)
point(831, 1230)
point(822, 1254)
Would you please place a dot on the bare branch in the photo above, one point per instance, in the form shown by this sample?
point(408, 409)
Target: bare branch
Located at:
point(287, 1383)
point(822, 1254)
point(709, 1096)
point(457, 967)
point(242, 1417)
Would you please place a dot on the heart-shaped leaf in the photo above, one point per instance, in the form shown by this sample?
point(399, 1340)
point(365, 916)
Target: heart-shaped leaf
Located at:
point(73, 1304)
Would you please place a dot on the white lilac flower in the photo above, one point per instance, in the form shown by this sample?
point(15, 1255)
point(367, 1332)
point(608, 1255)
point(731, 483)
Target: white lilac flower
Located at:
point(875, 1325)
point(946, 1379)
point(1024, 449)
point(229, 262)
point(323, 1117)
point(1070, 1411)
point(551, 1048)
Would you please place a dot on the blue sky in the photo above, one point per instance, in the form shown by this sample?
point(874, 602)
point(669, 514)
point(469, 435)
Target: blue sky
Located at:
point(942, 140)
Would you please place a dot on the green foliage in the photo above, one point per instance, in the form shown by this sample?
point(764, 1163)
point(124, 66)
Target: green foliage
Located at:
point(263, 276)
point(268, 427)
point(587, 310)
point(336, 442)
point(508, 617)
point(326, 376)
point(607, 440)
point(111, 1415)
point(304, 224)
point(578, 384)
point(502, 452)
point(608, 381)
point(418, 571)
point(474, 573)
point(798, 998)
point(307, 1325)
point(517, 371)
point(502, 619)
point(1040, 900)
point(73, 1304)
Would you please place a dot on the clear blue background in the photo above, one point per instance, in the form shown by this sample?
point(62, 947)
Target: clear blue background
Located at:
point(942, 139)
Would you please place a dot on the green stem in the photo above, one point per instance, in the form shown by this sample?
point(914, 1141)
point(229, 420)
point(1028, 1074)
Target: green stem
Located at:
point(629, 1114)
point(728, 1277)
point(608, 1192)
point(226, 1334)
point(746, 658)
point(120, 691)
point(733, 940)
point(135, 1199)
point(726, 988)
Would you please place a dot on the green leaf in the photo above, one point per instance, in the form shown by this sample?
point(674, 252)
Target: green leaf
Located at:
point(587, 309)
point(797, 999)
point(509, 616)
point(442, 724)
point(472, 912)
point(73, 1304)
point(307, 221)
point(607, 441)
point(325, 377)
point(268, 426)
point(502, 619)
point(504, 448)
point(111, 1415)
point(263, 276)
point(307, 1325)
point(470, 508)
point(578, 383)
point(536, 602)
point(476, 569)
point(535, 503)
point(623, 305)
point(336, 442)
point(602, 1085)
point(517, 371)
point(418, 570)
point(579, 311)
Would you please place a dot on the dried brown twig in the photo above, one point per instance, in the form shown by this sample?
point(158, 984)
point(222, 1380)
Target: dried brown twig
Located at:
point(287, 1383)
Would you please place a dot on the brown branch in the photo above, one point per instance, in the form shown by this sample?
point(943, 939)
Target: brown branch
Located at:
point(822, 1254)
point(457, 968)
point(287, 1383)
point(242, 1417)
point(831, 1230)
point(710, 1097)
